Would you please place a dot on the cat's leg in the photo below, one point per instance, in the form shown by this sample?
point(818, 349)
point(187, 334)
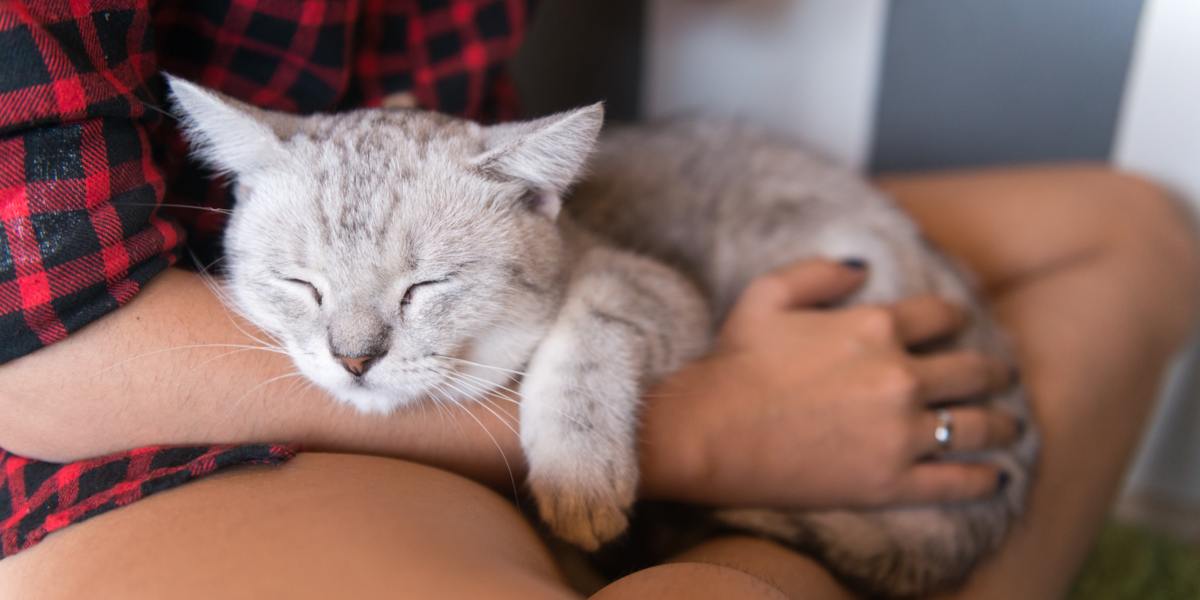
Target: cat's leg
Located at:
point(625, 321)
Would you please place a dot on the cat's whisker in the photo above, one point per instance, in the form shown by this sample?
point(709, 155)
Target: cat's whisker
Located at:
point(240, 347)
point(436, 404)
point(484, 386)
point(487, 392)
point(224, 211)
point(230, 308)
point(486, 383)
point(427, 403)
point(269, 381)
point(160, 110)
point(487, 386)
point(238, 351)
point(296, 386)
point(481, 365)
point(482, 401)
point(489, 402)
point(305, 384)
point(444, 407)
point(508, 417)
point(512, 478)
point(480, 395)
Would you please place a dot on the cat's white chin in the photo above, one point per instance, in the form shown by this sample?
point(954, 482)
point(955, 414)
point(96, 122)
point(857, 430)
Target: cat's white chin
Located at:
point(372, 401)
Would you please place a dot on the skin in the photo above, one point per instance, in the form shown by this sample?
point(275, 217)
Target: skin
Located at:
point(1047, 244)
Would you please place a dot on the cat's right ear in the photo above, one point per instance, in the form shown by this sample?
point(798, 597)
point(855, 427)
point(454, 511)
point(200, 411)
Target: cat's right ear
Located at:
point(546, 154)
point(230, 136)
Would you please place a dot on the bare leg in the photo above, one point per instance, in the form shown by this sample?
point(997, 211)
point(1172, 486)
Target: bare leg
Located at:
point(322, 526)
point(1096, 274)
point(691, 581)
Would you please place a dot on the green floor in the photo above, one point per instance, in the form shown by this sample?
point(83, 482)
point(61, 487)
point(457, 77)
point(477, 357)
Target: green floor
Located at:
point(1132, 564)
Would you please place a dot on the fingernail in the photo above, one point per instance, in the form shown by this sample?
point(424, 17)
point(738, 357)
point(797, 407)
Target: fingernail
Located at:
point(1021, 426)
point(1014, 376)
point(857, 264)
point(1001, 481)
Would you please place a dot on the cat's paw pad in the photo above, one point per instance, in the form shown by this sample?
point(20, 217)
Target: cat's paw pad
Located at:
point(585, 517)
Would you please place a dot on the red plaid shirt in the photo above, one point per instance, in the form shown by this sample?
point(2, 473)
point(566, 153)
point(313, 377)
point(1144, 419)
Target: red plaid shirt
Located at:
point(86, 158)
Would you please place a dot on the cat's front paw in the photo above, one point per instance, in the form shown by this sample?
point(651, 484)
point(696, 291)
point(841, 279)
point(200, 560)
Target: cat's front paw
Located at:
point(586, 513)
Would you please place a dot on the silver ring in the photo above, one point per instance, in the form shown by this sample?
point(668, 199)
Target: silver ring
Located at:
point(944, 432)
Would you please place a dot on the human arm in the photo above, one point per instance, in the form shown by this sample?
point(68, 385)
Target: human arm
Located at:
point(174, 366)
point(1096, 275)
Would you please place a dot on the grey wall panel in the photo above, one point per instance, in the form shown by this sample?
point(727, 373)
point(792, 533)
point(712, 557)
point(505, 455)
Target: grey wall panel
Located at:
point(970, 82)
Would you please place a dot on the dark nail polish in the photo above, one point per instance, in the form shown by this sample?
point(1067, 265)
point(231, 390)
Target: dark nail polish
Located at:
point(1014, 376)
point(857, 264)
point(1021, 427)
point(1001, 481)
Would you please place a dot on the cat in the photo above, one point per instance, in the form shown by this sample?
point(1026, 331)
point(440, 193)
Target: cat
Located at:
point(399, 255)
point(724, 203)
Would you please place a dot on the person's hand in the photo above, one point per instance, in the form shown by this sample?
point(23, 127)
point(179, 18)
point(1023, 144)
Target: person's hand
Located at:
point(803, 407)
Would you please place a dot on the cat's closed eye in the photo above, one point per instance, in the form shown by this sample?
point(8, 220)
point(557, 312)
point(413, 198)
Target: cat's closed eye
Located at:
point(408, 294)
point(316, 294)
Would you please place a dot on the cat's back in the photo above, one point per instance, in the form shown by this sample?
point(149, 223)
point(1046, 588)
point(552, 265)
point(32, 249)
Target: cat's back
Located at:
point(686, 172)
point(710, 194)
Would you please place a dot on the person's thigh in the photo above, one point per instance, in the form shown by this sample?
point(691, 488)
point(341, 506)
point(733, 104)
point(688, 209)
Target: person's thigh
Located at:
point(789, 571)
point(321, 526)
point(1093, 273)
point(731, 567)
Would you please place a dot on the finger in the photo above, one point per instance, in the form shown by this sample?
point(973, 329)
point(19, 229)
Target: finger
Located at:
point(926, 318)
point(971, 429)
point(801, 284)
point(950, 482)
point(959, 375)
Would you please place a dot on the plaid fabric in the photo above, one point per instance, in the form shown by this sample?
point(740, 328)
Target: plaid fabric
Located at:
point(88, 160)
point(39, 498)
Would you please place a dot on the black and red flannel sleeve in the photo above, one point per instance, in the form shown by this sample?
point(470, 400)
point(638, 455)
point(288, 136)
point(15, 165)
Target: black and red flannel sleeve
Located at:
point(78, 185)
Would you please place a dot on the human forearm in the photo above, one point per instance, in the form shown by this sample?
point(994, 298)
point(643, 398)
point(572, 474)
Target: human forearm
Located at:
point(174, 367)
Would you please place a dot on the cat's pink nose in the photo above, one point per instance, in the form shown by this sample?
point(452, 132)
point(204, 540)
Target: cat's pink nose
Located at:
point(357, 365)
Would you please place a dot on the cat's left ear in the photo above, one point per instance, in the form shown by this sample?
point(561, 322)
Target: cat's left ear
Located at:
point(546, 154)
point(231, 136)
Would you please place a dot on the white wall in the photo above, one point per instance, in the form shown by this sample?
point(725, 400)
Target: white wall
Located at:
point(1159, 132)
point(808, 67)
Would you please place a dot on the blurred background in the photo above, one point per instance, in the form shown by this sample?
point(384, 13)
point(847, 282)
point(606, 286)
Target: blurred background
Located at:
point(887, 85)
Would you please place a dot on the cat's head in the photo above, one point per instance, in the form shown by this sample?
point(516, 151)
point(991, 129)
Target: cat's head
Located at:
point(392, 253)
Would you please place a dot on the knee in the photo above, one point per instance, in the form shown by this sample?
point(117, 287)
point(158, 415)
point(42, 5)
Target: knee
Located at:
point(686, 580)
point(1135, 207)
point(1160, 230)
point(1149, 226)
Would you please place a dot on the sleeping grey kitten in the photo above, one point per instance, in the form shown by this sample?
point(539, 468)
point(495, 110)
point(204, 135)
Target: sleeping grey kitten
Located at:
point(403, 255)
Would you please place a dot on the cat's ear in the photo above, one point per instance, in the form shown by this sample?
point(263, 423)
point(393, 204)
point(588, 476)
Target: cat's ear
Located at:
point(546, 154)
point(229, 135)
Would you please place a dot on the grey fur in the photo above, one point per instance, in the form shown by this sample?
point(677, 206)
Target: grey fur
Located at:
point(365, 204)
point(724, 203)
